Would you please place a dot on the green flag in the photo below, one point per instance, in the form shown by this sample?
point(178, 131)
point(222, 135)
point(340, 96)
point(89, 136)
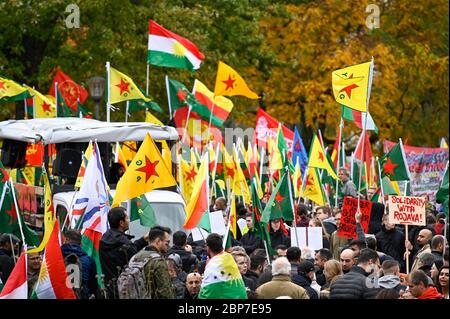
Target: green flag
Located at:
point(63, 109)
point(142, 210)
point(393, 164)
point(442, 195)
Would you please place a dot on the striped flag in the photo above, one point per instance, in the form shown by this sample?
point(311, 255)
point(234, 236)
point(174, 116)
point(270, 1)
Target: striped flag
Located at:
point(17, 286)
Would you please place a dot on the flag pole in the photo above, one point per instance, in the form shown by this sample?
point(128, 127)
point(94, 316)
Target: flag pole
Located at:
point(126, 110)
point(168, 97)
point(292, 202)
point(34, 105)
point(25, 114)
point(341, 126)
point(108, 95)
point(381, 181)
point(56, 98)
point(215, 169)
point(147, 79)
point(17, 209)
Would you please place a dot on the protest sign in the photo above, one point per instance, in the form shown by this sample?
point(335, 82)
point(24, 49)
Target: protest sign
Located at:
point(347, 227)
point(426, 166)
point(310, 237)
point(407, 210)
point(199, 234)
point(217, 223)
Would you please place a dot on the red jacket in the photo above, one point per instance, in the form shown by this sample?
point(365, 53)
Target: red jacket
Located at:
point(431, 293)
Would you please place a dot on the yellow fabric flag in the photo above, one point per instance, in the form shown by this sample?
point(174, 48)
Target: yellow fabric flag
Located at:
point(167, 155)
point(122, 88)
point(44, 106)
point(297, 180)
point(146, 172)
point(229, 83)
point(240, 186)
point(228, 165)
point(275, 162)
point(9, 88)
point(129, 149)
point(49, 216)
point(150, 118)
point(188, 175)
point(313, 190)
point(233, 216)
point(318, 158)
point(119, 157)
point(351, 86)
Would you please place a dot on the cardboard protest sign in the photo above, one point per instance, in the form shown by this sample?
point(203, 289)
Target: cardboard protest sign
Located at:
point(347, 227)
point(407, 210)
point(310, 237)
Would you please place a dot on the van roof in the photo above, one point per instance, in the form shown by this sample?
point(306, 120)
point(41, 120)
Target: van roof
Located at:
point(72, 129)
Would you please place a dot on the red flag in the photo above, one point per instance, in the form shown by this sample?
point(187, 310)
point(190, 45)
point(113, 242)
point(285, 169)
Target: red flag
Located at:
point(70, 90)
point(16, 287)
point(267, 126)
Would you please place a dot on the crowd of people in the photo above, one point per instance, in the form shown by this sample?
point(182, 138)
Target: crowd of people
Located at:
point(165, 264)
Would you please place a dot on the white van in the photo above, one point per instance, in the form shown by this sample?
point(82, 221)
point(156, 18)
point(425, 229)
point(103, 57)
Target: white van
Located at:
point(71, 136)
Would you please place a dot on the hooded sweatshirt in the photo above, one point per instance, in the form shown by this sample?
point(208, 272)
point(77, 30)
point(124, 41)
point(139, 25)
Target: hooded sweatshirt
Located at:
point(431, 293)
point(391, 282)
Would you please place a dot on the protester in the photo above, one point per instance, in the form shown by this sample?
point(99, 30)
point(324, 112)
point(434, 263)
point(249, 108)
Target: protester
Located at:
point(337, 243)
point(347, 187)
point(6, 255)
point(302, 215)
point(437, 246)
point(332, 270)
point(353, 285)
point(391, 276)
point(425, 263)
point(371, 242)
point(181, 247)
point(391, 241)
point(250, 241)
point(34, 261)
point(72, 246)
point(347, 259)
point(281, 251)
point(321, 257)
point(277, 237)
point(423, 246)
point(356, 245)
point(242, 261)
point(305, 278)
point(177, 275)
point(156, 269)
point(281, 284)
point(442, 282)
point(193, 283)
point(116, 248)
point(220, 204)
point(388, 294)
point(221, 278)
point(418, 284)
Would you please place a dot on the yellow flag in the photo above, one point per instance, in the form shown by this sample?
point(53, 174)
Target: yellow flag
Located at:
point(313, 191)
point(318, 158)
point(49, 216)
point(229, 83)
point(351, 86)
point(9, 88)
point(122, 88)
point(228, 165)
point(146, 172)
point(240, 186)
point(297, 180)
point(150, 118)
point(275, 162)
point(188, 175)
point(44, 105)
point(129, 149)
point(167, 155)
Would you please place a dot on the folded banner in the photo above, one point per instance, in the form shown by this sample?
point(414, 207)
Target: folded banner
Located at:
point(267, 126)
point(426, 166)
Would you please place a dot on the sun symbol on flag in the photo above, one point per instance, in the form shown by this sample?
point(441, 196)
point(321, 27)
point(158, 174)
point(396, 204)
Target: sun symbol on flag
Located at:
point(225, 266)
point(43, 273)
point(178, 49)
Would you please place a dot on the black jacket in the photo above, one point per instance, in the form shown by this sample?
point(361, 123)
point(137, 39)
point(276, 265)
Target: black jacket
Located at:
point(250, 242)
point(116, 249)
point(279, 238)
point(249, 282)
point(320, 277)
point(353, 285)
point(6, 264)
point(305, 282)
point(392, 243)
point(188, 259)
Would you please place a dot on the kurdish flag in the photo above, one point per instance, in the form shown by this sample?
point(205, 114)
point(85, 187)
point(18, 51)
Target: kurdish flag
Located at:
point(216, 108)
point(199, 201)
point(222, 279)
point(168, 49)
point(52, 282)
point(359, 118)
point(11, 91)
point(17, 286)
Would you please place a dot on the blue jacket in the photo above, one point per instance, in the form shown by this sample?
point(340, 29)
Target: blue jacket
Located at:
point(88, 268)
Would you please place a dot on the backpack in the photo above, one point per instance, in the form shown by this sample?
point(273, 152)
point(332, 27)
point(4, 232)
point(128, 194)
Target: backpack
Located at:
point(73, 264)
point(132, 282)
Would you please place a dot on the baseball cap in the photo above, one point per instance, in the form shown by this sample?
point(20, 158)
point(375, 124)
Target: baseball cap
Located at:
point(305, 267)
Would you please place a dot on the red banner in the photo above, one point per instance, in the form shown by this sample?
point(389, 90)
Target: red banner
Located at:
point(267, 126)
point(347, 227)
point(426, 167)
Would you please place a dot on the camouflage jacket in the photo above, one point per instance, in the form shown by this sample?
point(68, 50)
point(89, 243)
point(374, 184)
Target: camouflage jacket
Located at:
point(156, 274)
